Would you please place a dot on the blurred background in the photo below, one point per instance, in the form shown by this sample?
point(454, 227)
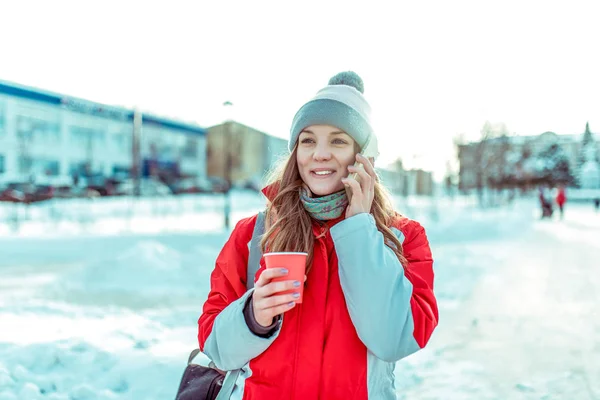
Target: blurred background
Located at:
point(134, 135)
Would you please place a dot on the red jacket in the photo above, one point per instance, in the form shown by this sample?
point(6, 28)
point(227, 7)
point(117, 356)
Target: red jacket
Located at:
point(361, 313)
point(561, 197)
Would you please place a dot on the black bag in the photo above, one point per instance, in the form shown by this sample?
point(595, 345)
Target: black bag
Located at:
point(205, 383)
point(199, 382)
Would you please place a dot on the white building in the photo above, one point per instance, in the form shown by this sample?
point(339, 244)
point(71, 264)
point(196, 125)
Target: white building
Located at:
point(44, 133)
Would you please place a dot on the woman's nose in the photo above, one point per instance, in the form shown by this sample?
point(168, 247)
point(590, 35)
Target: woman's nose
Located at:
point(322, 153)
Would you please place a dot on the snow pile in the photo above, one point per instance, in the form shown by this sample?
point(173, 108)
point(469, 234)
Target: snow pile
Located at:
point(149, 273)
point(59, 370)
point(70, 370)
point(145, 268)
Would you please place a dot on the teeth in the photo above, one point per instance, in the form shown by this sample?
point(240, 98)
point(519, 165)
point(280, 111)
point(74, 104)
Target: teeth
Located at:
point(323, 172)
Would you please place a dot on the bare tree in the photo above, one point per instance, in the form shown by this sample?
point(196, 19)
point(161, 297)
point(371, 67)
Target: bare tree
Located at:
point(491, 157)
point(480, 159)
point(460, 144)
point(449, 180)
point(401, 176)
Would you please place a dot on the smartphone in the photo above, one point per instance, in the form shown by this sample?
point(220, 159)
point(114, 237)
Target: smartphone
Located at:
point(369, 151)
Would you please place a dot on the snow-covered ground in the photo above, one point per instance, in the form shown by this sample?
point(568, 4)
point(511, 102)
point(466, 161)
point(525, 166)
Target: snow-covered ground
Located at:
point(123, 215)
point(105, 305)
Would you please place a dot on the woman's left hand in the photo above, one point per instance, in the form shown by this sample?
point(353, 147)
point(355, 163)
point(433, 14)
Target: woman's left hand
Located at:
point(363, 192)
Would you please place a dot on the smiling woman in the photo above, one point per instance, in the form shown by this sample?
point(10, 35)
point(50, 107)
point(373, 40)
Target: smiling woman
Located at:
point(368, 294)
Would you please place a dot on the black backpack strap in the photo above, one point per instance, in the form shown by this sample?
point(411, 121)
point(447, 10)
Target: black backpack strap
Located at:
point(255, 251)
point(193, 355)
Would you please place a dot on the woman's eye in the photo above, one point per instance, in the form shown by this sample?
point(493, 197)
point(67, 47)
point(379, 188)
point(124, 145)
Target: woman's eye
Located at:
point(307, 140)
point(339, 141)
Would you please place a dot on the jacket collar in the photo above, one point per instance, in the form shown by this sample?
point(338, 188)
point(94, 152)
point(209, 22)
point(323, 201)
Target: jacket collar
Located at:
point(270, 191)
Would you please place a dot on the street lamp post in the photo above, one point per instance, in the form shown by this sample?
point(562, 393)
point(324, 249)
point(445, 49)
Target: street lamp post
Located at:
point(227, 140)
point(135, 151)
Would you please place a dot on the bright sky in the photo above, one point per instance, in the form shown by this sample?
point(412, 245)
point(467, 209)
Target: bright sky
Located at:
point(432, 69)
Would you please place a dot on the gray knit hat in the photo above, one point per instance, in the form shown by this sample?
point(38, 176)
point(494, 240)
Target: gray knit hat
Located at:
point(341, 104)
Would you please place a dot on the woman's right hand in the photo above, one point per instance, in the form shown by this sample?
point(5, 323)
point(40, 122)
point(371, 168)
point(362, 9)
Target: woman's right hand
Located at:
point(267, 302)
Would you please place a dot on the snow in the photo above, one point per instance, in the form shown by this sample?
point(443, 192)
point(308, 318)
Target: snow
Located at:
point(528, 325)
point(107, 308)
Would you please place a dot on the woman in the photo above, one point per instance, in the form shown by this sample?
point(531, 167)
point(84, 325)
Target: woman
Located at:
point(561, 199)
point(368, 298)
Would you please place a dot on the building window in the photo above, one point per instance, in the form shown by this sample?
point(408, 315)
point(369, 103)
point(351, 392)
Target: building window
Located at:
point(190, 150)
point(121, 171)
point(34, 129)
point(37, 166)
point(47, 167)
point(79, 168)
point(86, 138)
point(121, 142)
point(24, 164)
point(86, 168)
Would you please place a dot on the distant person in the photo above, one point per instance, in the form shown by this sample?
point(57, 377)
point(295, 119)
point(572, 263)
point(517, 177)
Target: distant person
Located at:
point(561, 199)
point(545, 203)
point(597, 204)
point(368, 299)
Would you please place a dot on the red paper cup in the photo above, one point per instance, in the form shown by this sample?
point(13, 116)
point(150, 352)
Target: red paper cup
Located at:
point(295, 263)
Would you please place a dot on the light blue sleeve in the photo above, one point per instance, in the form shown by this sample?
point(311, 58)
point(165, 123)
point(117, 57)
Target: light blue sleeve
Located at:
point(231, 344)
point(376, 291)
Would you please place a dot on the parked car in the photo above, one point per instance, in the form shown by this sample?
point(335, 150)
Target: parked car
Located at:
point(70, 192)
point(104, 186)
point(148, 187)
point(18, 192)
point(219, 185)
point(42, 193)
point(50, 187)
point(254, 184)
point(192, 185)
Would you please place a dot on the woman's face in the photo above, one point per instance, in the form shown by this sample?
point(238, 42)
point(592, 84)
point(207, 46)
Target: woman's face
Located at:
point(323, 155)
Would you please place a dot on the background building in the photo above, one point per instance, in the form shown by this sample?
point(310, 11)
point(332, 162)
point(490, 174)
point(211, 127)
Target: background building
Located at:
point(244, 152)
point(505, 161)
point(49, 134)
point(407, 182)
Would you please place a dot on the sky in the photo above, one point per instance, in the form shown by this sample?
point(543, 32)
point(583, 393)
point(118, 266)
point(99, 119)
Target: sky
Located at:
point(432, 70)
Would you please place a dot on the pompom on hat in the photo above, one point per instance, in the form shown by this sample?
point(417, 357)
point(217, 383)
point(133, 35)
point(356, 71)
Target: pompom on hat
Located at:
point(341, 104)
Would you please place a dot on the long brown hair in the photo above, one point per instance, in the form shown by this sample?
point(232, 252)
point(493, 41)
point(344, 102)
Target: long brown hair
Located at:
point(289, 226)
